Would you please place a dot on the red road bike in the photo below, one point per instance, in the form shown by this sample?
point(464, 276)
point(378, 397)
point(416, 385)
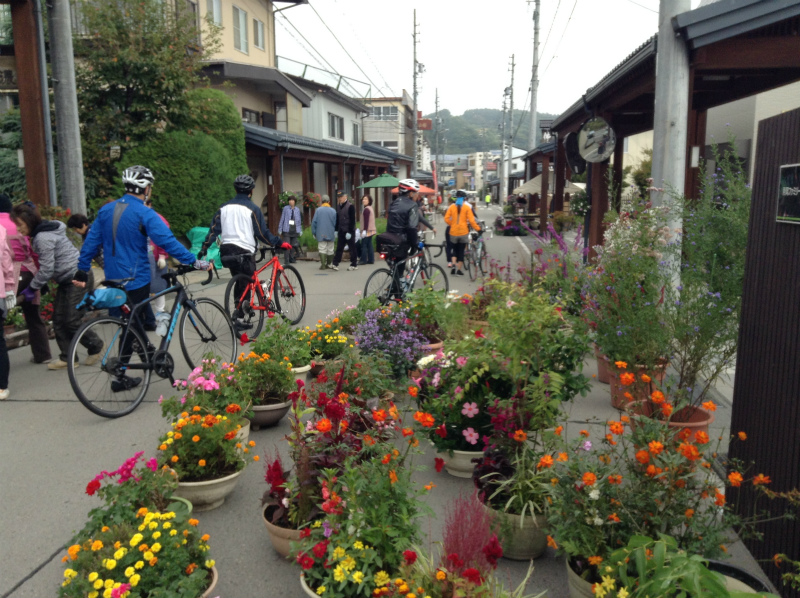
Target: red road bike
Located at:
point(248, 298)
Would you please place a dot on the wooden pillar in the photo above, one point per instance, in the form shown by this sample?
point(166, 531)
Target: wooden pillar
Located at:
point(306, 188)
point(26, 50)
point(696, 137)
point(619, 156)
point(533, 199)
point(273, 218)
point(599, 205)
point(329, 179)
point(560, 174)
point(544, 208)
point(357, 181)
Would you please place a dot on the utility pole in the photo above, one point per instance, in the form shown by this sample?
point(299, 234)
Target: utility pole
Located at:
point(415, 133)
point(672, 102)
point(48, 131)
point(533, 136)
point(503, 190)
point(437, 124)
point(511, 121)
point(70, 160)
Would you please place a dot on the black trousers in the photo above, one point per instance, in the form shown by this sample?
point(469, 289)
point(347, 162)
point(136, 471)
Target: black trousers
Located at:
point(246, 264)
point(67, 319)
point(351, 247)
point(134, 296)
point(5, 364)
point(37, 329)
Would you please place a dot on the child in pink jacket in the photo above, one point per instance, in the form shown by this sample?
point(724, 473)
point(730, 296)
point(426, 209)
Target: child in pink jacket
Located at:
point(9, 286)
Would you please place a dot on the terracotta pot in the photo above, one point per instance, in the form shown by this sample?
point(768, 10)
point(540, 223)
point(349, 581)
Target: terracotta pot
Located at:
point(603, 373)
point(281, 537)
point(432, 348)
point(639, 390)
point(692, 418)
point(460, 464)
point(317, 365)
point(209, 494)
point(527, 539)
point(214, 578)
point(8, 329)
point(578, 587)
point(265, 416)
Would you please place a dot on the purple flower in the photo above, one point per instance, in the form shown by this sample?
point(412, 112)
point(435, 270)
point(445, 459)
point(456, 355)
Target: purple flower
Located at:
point(327, 530)
point(587, 445)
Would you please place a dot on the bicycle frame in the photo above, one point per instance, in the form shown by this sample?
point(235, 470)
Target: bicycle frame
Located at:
point(255, 285)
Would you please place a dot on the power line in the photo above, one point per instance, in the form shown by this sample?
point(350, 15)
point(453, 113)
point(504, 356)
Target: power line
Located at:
point(345, 50)
point(562, 37)
point(330, 66)
point(553, 22)
point(643, 6)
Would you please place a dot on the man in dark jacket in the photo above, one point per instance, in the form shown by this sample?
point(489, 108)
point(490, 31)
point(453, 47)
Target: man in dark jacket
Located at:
point(346, 231)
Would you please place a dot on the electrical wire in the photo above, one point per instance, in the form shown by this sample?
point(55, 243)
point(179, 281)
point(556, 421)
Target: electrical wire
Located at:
point(562, 37)
point(643, 6)
point(553, 22)
point(330, 66)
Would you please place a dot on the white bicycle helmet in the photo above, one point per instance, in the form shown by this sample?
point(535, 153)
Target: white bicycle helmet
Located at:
point(136, 179)
point(407, 185)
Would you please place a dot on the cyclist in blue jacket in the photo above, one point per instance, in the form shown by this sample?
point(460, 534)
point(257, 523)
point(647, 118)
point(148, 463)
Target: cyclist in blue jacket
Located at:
point(122, 229)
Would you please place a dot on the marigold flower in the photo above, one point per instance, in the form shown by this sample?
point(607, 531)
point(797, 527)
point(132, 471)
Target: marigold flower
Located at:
point(521, 436)
point(689, 513)
point(656, 448)
point(689, 451)
point(645, 378)
point(589, 478)
point(545, 462)
point(709, 406)
point(626, 379)
point(256, 458)
point(652, 470)
point(701, 437)
point(595, 560)
point(233, 408)
point(408, 432)
point(625, 419)
point(643, 457)
point(552, 543)
point(666, 409)
point(742, 436)
point(196, 408)
point(621, 364)
point(174, 458)
point(614, 517)
point(719, 499)
point(190, 569)
point(584, 433)
point(163, 447)
point(558, 430)
point(430, 486)
point(657, 397)
point(202, 462)
point(761, 479)
point(610, 440)
point(735, 478)
point(413, 391)
point(564, 457)
point(368, 440)
point(424, 419)
point(615, 479)
point(392, 476)
point(441, 575)
point(324, 425)
point(193, 522)
point(616, 427)
point(195, 438)
point(628, 395)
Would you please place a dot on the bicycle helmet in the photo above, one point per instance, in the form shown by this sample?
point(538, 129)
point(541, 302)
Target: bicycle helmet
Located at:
point(408, 185)
point(136, 179)
point(461, 193)
point(244, 183)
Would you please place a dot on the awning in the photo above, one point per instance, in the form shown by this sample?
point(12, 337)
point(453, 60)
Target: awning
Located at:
point(535, 186)
point(271, 79)
point(278, 140)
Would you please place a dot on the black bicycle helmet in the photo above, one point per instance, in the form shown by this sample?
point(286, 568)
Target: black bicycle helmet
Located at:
point(244, 183)
point(461, 193)
point(136, 179)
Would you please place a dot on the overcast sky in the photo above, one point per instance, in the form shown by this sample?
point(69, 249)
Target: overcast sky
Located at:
point(466, 46)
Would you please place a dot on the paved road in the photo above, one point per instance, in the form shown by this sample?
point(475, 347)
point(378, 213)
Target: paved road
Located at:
point(51, 446)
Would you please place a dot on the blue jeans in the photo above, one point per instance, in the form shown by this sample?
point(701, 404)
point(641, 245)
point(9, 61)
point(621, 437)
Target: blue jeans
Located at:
point(367, 251)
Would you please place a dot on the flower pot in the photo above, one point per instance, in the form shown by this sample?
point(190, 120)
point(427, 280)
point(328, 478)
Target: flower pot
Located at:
point(243, 435)
point(578, 587)
point(690, 417)
point(639, 390)
point(737, 579)
point(209, 494)
point(603, 373)
point(281, 537)
point(184, 502)
point(306, 590)
point(214, 578)
point(432, 348)
point(8, 329)
point(460, 464)
point(265, 416)
point(527, 541)
point(301, 373)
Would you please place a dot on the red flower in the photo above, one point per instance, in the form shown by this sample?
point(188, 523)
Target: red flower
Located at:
point(306, 562)
point(456, 562)
point(274, 476)
point(479, 333)
point(305, 532)
point(92, 487)
point(472, 575)
point(244, 339)
point(410, 556)
point(493, 551)
point(320, 549)
point(441, 431)
point(438, 463)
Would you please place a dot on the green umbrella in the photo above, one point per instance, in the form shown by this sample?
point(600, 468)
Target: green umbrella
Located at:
point(384, 180)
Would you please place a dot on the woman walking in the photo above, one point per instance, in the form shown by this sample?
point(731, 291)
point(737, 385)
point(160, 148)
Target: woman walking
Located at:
point(7, 302)
point(460, 219)
point(58, 260)
point(368, 231)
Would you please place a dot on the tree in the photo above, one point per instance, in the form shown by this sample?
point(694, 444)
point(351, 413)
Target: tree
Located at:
point(643, 171)
point(134, 69)
point(212, 112)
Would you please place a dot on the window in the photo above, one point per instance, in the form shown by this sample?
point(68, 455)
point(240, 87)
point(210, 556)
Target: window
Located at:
point(355, 134)
point(392, 145)
point(384, 112)
point(625, 145)
point(214, 10)
point(240, 30)
point(250, 116)
point(335, 126)
point(258, 34)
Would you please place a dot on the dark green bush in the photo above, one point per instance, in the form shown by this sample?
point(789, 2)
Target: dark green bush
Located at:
point(193, 177)
point(213, 113)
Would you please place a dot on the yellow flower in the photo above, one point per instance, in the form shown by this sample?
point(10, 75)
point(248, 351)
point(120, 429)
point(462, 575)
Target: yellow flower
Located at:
point(93, 594)
point(69, 573)
point(156, 535)
point(134, 580)
point(317, 523)
point(358, 577)
point(321, 590)
point(210, 563)
point(110, 564)
point(92, 576)
point(129, 571)
point(167, 525)
point(441, 575)
point(608, 582)
point(173, 532)
point(339, 574)
point(136, 539)
point(338, 552)
point(138, 564)
point(623, 593)
point(107, 593)
point(98, 584)
point(381, 578)
point(349, 564)
point(109, 584)
point(155, 547)
point(148, 555)
point(358, 545)
point(120, 553)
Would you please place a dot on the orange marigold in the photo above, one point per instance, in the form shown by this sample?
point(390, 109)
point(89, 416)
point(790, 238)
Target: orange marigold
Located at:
point(563, 457)
point(709, 406)
point(645, 378)
point(545, 462)
point(558, 430)
point(392, 476)
point(324, 425)
point(413, 391)
point(655, 447)
point(621, 364)
point(689, 451)
point(742, 436)
point(202, 462)
point(627, 379)
point(595, 560)
point(735, 478)
point(585, 433)
point(719, 499)
point(552, 543)
point(643, 457)
point(616, 427)
point(615, 479)
point(233, 408)
point(379, 415)
point(666, 409)
point(689, 513)
point(589, 478)
point(701, 437)
point(657, 397)
point(761, 479)
point(425, 419)
point(625, 419)
point(614, 517)
point(408, 432)
point(520, 436)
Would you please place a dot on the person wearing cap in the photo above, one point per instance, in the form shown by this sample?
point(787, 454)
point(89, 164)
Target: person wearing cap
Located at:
point(460, 219)
point(323, 227)
point(345, 231)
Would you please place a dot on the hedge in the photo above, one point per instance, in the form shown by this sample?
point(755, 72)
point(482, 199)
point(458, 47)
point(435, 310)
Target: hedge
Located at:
point(213, 113)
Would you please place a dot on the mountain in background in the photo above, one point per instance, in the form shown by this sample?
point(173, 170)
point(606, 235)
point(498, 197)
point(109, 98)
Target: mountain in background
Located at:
point(478, 130)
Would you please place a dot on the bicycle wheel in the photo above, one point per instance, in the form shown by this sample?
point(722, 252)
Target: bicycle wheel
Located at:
point(100, 382)
point(428, 256)
point(289, 295)
point(484, 260)
point(208, 331)
point(245, 317)
point(470, 264)
point(379, 284)
point(434, 275)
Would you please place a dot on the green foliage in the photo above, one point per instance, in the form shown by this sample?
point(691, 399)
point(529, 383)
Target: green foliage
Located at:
point(193, 177)
point(214, 113)
point(642, 172)
point(12, 177)
point(279, 339)
point(14, 317)
point(134, 69)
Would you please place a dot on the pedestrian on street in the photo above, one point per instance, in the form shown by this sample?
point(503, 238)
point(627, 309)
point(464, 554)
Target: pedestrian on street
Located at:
point(24, 269)
point(323, 227)
point(461, 219)
point(58, 260)
point(79, 223)
point(369, 230)
point(8, 284)
point(488, 199)
point(290, 228)
point(346, 231)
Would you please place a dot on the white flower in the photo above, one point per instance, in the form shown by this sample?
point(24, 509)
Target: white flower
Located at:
point(589, 520)
point(285, 502)
point(594, 494)
point(598, 521)
point(422, 363)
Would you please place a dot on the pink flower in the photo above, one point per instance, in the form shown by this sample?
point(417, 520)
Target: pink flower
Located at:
point(183, 400)
point(471, 435)
point(458, 390)
point(510, 303)
point(152, 464)
point(436, 380)
point(160, 399)
point(461, 361)
point(470, 410)
point(119, 591)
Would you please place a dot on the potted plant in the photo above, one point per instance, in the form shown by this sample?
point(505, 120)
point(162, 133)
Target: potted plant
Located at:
point(436, 316)
point(391, 333)
point(641, 479)
point(203, 449)
point(265, 381)
point(279, 338)
point(353, 315)
point(326, 342)
point(14, 321)
point(140, 557)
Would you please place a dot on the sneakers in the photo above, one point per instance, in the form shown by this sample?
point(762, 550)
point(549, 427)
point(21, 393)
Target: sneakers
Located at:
point(33, 360)
point(125, 383)
point(453, 270)
point(241, 325)
point(93, 358)
point(4, 394)
point(333, 267)
point(352, 268)
point(58, 364)
point(459, 273)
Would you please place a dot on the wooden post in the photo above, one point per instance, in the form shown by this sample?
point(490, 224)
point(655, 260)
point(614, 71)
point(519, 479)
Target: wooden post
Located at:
point(26, 50)
point(619, 154)
point(357, 179)
point(599, 205)
point(559, 173)
point(696, 137)
point(532, 198)
point(277, 186)
point(544, 208)
point(306, 189)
